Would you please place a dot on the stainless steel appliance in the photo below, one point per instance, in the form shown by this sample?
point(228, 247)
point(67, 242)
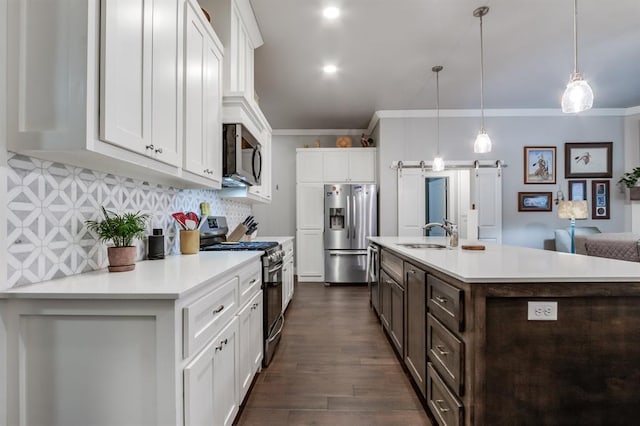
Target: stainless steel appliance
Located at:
point(373, 269)
point(350, 215)
point(212, 234)
point(242, 156)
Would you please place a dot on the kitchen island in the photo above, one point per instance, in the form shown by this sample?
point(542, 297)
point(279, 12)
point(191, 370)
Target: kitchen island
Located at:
point(513, 335)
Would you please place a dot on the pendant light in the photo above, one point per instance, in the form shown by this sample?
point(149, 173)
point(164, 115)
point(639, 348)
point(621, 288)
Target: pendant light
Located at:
point(482, 144)
point(578, 96)
point(438, 162)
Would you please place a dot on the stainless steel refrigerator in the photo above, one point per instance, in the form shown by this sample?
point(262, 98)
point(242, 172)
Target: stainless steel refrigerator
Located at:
point(350, 216)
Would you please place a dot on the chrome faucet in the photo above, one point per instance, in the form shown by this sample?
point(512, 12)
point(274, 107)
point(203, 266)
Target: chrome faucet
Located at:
point(449, 227)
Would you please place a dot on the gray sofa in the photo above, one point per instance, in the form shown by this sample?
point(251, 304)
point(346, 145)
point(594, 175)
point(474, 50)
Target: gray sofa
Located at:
point(563, 238)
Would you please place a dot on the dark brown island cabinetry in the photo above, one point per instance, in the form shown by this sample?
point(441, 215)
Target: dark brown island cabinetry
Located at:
point(415, 336)
point(476, 357)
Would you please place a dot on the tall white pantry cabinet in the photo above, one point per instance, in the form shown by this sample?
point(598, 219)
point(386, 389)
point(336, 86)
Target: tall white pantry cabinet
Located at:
point(316, 167)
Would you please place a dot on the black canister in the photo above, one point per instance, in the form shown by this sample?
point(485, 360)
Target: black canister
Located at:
point(156, 245)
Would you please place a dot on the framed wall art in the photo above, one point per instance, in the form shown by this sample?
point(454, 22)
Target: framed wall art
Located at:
point(588, 160)
point(600, 199)
point(534, 201)
point(540, 164)
point(577, 190)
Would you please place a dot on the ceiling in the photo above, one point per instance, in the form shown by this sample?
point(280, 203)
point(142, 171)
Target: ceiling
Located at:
point(385, 49)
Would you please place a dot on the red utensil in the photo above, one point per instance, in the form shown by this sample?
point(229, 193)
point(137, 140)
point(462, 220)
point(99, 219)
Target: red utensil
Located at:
point(180, 218)
point(192, 216)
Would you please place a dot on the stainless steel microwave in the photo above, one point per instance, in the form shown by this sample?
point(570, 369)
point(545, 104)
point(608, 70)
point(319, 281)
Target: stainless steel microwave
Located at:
point(242, 156)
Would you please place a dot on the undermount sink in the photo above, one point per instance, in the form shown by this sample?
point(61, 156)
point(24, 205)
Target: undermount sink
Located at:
point(422, 245)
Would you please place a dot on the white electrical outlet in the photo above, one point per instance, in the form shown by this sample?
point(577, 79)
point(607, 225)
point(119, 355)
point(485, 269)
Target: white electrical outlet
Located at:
point(542, 311)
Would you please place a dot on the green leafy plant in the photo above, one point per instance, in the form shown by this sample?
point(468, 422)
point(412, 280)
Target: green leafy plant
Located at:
point(630, 179)
point(119, 228)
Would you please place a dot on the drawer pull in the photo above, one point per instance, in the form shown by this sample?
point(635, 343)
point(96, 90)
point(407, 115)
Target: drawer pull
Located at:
point(411, 271)
point(441, 350)
point(252, 281)
point(441, 299)
point(158, 150)
point(149, 147)
point(217, 311)
point(389, 282)
point(439, 403)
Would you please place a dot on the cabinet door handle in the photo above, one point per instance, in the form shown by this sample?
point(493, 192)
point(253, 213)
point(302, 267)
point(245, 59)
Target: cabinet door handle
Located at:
point(252, 281)
point(441, 299)
point(224, 342)
point(217, 311)
point(388, 282)
point(158, 150)
point(411, 271)
point(441, 350)
point(150, 146)
point(218, 348)
point(439, 403)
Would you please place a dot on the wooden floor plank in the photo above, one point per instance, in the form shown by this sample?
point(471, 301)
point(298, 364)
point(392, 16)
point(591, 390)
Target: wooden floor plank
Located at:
point(334, 366)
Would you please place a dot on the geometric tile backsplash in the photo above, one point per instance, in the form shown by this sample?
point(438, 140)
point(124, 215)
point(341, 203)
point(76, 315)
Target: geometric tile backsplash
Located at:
point(48, 203)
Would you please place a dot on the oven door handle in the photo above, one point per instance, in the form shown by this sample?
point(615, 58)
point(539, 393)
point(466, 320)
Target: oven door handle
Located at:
point(275, 268)
point(275, 335)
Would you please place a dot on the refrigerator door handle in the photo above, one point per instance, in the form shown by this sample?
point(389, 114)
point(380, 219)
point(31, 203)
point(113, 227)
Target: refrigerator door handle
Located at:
point(348, 225)
point(347, 252)
point(353, 223)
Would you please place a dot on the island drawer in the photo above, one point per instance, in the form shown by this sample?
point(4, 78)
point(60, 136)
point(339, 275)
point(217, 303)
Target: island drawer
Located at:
point(250, 282)
point(446, 303)
point(392, 264)
point(446, 352)
point(445, 407)
point(204, 318)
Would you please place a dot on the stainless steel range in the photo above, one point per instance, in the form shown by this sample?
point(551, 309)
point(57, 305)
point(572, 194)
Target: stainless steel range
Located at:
point(213, 238)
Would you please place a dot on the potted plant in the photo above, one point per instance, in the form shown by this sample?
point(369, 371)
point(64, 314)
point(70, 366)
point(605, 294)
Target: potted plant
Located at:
point(630, 180)
point(121, 229)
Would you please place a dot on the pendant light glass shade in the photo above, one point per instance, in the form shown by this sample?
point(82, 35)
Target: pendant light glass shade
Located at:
point(578, 96)
point(482, 145)
point(438, 162)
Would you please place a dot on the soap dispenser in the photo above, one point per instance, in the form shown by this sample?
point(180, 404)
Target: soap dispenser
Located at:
point(156, 245)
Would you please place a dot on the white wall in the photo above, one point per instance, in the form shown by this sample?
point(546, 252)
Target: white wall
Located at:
point(414, 139)
point(632, 160)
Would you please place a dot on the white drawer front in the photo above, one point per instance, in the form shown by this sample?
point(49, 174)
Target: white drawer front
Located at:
point(250, 281)
point(204, 318)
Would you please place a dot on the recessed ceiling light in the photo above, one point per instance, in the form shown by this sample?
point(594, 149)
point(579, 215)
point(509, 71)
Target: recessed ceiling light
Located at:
point(331, 12)
point(330, 69)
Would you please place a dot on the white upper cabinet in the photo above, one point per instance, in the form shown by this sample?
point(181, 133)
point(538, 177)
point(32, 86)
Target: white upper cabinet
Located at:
point(100, 84)
point(140, 93)
point(203, 98)
point(308, 166)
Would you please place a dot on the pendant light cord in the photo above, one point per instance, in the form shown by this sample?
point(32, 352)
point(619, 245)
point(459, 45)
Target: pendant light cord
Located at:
point(481, 76)
point(575, 36)
point(438, 110)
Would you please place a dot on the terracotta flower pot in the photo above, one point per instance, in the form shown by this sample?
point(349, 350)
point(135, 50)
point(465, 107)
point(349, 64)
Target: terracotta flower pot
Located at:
point(121, 259)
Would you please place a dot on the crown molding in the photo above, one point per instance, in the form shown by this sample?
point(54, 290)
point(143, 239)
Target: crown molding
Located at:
point(515, 112)
point(633, 110)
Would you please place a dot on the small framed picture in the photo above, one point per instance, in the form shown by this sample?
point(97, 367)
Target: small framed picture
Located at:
point(539, 164)
point(588, 160)
point(577, 190)
point(600, 199)
point(534, 201)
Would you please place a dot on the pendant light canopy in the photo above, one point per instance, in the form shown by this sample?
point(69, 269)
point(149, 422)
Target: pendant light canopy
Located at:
point(482, 144)
point(578, 95)
point(438, 162)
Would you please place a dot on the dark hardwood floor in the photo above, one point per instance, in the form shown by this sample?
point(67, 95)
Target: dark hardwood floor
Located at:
point(334, 366)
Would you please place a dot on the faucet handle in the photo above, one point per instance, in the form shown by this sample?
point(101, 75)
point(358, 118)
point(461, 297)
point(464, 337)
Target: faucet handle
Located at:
point(448, 222)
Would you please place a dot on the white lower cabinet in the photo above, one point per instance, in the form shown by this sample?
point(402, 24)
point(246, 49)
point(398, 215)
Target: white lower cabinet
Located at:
point(288, 275)
point(132, 359)
point(250, 321)
point(310, 255)
point(210, 385)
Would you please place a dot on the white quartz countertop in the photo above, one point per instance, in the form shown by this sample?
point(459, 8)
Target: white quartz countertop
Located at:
point(279, 240)
point(169, 278)
point(502, 263)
